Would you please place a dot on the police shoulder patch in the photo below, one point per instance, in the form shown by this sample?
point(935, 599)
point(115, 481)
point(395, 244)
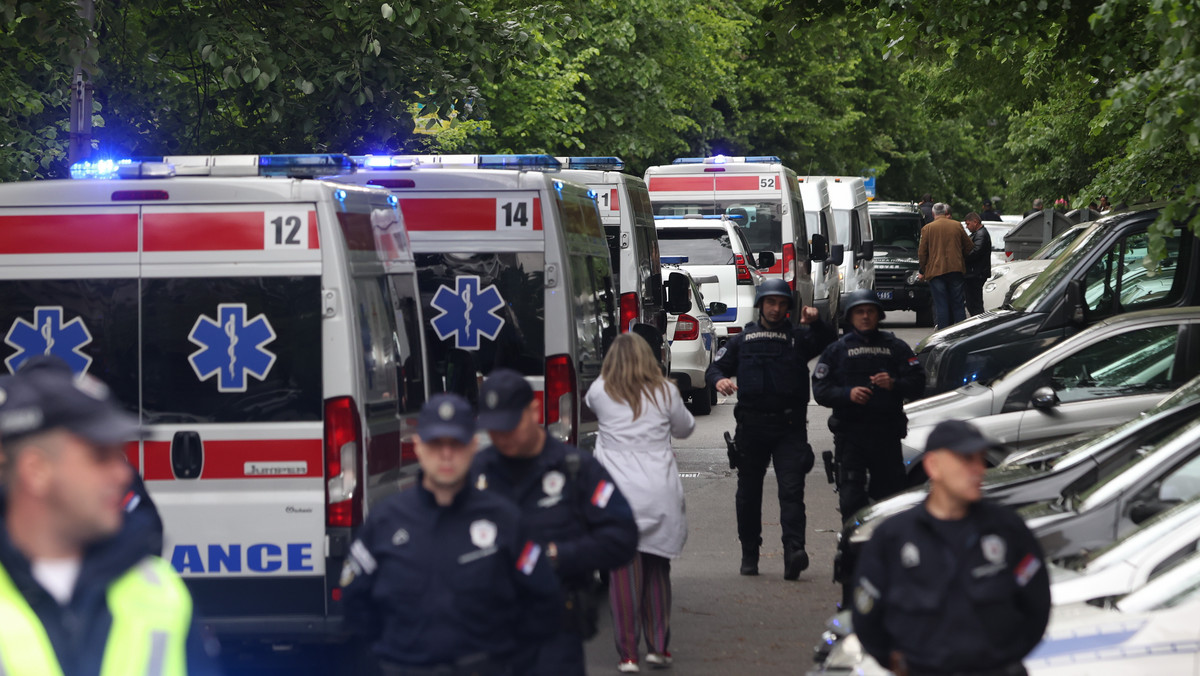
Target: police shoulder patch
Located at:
point(720, 353)
point(821, 371)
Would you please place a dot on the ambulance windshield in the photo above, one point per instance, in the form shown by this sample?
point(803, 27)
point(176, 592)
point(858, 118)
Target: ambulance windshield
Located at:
point(483, 311)
point(761, 221)
point(702, 246)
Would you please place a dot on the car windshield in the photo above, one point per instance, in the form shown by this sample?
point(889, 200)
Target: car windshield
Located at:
point(1061, 268)
point(1057, 245)
point(702, 246)
point(1083, 489)
point(996, 231)
point(1140, 442)
point(1143, 535)
point(899, 231)
point(761, 221)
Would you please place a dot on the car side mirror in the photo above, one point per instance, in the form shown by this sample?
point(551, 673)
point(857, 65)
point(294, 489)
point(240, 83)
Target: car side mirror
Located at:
point(837, 254)
point(1075, 301)
point(717, 308)
point(1044, 398)
point(677, 294)
point(866, 250)
point(1144, 510)
point(765, 259)
point(819, 250)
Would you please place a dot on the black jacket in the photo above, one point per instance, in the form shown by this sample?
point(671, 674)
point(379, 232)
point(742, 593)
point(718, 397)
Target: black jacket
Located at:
point(979, 261)
point(978, 600)
point(850, 363)
point(430, 585)
point(79, 631)
point(771, 365)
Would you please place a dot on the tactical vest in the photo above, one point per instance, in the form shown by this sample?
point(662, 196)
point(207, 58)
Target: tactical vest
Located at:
point(151, 615)
point(768, 367)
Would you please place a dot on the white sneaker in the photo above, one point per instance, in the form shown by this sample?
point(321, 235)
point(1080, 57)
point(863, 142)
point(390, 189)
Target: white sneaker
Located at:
point(659, 660)
point(628, 667)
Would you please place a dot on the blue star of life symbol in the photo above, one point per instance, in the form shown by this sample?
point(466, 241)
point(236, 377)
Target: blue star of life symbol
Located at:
point(48, 335)
point(231, 347)
point(467, 312)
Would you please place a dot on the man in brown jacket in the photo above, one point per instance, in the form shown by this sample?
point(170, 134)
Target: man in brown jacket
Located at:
point(942, 254)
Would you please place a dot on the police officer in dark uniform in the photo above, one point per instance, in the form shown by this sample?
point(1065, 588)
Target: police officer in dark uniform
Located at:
point(570, 503)
point(955, 585)
point(770, 360)
point(865, 377)
point(442, 579)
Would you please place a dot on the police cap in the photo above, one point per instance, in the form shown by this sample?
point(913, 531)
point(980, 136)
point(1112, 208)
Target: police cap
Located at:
point(958, 436)
point(861, 297)
point(502, 400)
point(44, 394)
point(772, 287)
point(446, 416)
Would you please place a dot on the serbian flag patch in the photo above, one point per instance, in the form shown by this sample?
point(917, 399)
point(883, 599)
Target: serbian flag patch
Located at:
point(529, 557)
point(603, 492)
point(913, 361)
point(1028, 567)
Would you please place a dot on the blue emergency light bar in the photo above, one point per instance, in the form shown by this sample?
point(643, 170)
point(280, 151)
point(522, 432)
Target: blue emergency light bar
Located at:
point(295, 166)
point(728, 159)
point(707, 217)
point(594, 163)
point(673, 260)
point(518, 162)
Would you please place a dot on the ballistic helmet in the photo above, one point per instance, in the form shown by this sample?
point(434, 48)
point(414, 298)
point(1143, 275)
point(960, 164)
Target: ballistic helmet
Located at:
point(861, 297)
point(773, 287)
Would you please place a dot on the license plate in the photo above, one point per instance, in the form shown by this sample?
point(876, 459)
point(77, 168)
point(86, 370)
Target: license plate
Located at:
point(884, 295)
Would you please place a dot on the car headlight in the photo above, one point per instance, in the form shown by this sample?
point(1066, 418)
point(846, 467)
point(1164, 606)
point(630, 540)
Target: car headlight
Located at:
point(998, 272)
point(990, 287)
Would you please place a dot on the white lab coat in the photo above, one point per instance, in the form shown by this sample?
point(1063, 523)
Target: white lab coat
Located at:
point(638, 455)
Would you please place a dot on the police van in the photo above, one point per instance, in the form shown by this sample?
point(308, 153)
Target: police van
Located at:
point(514, 271)
point(265, 329)
point(628, 220)
point(826, 274)
point(848, 197)
point(760, 195)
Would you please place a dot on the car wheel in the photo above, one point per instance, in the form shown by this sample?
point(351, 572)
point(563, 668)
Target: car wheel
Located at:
point(925, 317)
point(701, 403)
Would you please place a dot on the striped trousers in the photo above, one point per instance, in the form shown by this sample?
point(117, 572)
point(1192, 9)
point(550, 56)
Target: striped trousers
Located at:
point(639, 596)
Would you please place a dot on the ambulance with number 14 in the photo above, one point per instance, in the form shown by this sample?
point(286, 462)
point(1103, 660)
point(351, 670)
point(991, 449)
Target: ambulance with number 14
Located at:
point(761, 196)
point(514, 272)
point(264, 327)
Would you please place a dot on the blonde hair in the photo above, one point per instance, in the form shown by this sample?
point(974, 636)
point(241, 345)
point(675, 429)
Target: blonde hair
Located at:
point(630, 372)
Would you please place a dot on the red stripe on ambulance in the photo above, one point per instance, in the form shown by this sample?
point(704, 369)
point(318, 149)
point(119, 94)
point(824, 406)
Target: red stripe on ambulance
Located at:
point(243, 459)
point(218, 231)
point(456, 214)
point(69, 233)
point(743, 182)
point(680, 183)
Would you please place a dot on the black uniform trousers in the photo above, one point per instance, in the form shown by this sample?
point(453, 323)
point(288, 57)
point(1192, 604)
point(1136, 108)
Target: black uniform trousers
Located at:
point(973, 294)
point(763, 439)
point(868, 467)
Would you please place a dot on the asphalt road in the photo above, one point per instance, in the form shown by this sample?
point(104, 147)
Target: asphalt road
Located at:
point(723, 623)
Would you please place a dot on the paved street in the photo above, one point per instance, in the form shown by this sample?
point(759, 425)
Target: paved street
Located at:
point(723, 623)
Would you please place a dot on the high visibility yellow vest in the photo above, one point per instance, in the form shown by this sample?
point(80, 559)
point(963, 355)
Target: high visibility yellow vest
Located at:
point(151, 611)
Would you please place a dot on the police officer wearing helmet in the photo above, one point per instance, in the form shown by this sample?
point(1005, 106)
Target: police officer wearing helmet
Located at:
point(442, 578)
point(80, 590)
point(571, 504)
point(955, 585)
point(770, 361)
point(865, 377)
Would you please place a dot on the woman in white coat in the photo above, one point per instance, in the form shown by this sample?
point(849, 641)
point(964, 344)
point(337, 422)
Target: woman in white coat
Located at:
point(639, 411)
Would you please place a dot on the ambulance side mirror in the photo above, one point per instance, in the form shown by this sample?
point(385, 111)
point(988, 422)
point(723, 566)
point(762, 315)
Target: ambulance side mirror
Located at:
point(867, 250)
point(837, 254)
point(677, 294)
point(819, 250)
point(765, 260)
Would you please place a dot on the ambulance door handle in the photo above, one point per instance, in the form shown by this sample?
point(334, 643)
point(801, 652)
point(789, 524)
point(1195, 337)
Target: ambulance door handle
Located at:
point(187, 455)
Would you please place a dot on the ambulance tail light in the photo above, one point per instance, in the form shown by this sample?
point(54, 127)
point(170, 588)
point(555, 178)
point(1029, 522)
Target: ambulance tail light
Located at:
point(789, 265)
point(743, 272)
point(686, 328)
point(629, 311)
point(343, 456)
point(560, 398)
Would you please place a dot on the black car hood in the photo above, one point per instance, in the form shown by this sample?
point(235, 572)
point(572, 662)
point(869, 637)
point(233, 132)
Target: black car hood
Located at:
point(970, 326)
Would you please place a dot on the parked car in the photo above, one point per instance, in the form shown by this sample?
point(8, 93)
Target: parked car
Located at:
point(1105, 375)
point(1106, 272)
point(897, 227)
point(713, 246)
point(692, 336)
point(1004, 276)
point(998, 230)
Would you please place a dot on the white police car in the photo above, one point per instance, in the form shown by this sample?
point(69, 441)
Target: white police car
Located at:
point(263, 327)
point(693, 336)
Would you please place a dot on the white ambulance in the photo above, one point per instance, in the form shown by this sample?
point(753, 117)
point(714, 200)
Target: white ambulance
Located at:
point(514, 271)
point(265, 328)
point(848, 196)
point(628, 220)
point(827, 274)
point(759, 194)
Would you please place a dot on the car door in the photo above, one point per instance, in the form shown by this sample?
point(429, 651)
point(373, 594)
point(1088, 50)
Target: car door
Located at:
point(1108, 382)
